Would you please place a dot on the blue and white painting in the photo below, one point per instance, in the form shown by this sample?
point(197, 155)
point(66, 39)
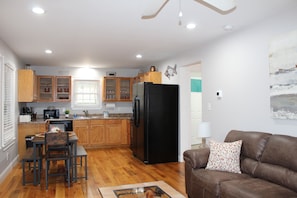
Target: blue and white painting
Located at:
point(283, 76)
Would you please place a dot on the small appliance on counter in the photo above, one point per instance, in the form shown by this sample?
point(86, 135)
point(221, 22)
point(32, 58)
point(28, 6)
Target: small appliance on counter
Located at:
point(51, 114)
point(25, 118)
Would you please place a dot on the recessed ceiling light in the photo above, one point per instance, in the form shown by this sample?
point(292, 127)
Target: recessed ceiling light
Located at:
point(38, 10)
point(139, 56)
point(228, 27)
point(48, 51)
point(191, 26)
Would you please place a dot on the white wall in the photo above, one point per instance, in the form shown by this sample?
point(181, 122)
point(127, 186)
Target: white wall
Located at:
point(6, 163)
point(238, 65)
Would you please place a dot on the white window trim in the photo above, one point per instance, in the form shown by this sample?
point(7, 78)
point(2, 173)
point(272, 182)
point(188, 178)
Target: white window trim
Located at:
point(75, 106)
point(8, 133)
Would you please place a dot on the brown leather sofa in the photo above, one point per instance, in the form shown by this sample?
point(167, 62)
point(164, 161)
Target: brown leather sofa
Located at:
point(268, 164)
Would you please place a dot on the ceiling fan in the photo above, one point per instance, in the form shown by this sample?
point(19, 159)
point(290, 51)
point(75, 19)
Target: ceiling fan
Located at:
point(155, 6)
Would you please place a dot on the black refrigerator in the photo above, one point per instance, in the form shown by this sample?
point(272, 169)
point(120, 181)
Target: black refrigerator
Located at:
point(155, 122)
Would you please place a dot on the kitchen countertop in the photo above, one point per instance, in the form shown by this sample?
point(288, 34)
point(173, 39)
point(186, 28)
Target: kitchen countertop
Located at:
point(81, 117)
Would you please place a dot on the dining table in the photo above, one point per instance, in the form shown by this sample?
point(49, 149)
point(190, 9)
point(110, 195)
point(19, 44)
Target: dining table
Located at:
point(38, 142)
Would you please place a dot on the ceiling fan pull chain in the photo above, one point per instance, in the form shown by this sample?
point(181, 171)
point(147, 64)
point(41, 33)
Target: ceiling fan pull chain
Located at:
point(180, 14)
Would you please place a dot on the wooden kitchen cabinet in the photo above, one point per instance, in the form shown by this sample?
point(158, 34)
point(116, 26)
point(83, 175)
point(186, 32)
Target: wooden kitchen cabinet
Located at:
point(99, 133)
point(54, 88)
point(154, 77)
point(63, 88)
point(113, 132)
point(27, 86)
point(25, 129)
point(81, 128)
point(45, 88)
point(117, 89)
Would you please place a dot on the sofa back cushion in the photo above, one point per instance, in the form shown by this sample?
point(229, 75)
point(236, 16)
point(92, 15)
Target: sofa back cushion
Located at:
point(279, 161)
point(253, 144)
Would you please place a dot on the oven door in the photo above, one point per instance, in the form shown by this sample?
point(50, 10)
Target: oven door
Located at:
point(68, 124)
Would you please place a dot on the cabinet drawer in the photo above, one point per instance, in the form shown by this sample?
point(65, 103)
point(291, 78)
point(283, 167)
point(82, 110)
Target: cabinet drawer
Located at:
point(80, 123)
point(97, 121)
point(113, 121)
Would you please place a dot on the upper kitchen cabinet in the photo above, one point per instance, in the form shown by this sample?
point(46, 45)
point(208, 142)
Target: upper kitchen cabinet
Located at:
point(63, 88)
point(54, 88)
point(45, 88)
point(117, 89)
point(154, 77)
point(27, 86)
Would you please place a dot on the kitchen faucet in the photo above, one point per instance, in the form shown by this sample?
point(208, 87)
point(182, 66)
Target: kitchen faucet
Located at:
point(86, 113)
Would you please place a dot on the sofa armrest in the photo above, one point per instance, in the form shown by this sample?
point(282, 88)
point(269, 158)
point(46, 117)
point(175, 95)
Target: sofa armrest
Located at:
point(197, 158)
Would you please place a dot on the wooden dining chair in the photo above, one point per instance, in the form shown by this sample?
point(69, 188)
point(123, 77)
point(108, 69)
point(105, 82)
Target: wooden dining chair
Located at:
point(57, 149)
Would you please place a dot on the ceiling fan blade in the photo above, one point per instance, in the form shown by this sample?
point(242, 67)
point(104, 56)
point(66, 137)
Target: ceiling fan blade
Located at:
point(223, 5)
point(153, 7)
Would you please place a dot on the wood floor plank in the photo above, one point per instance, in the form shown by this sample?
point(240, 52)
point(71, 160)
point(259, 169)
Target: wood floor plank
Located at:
point(106, 167)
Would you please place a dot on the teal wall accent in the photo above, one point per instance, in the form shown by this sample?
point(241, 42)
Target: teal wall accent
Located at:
point(196, 85)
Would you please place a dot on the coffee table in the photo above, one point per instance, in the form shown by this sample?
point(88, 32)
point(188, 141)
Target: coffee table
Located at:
point(160, 188)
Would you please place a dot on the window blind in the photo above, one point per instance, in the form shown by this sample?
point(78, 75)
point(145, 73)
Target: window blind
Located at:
point(8, 108)
point(86, 94)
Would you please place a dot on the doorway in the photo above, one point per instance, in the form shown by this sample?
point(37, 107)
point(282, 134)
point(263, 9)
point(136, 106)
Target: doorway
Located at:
point(191, 109)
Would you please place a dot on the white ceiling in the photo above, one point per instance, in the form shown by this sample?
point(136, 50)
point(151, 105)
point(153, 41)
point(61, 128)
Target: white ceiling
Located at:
point(109, 33)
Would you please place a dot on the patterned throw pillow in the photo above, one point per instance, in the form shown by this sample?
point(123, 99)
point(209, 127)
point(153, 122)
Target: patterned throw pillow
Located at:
point(224, 156)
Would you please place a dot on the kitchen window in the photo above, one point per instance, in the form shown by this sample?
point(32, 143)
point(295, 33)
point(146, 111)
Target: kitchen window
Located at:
point(8, 135)
point(86, 94)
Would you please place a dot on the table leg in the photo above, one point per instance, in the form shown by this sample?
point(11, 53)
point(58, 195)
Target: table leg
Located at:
point(34, 164)
point(74, 162)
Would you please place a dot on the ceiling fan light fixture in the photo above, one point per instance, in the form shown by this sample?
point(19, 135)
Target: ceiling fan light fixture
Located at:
point(223, 5)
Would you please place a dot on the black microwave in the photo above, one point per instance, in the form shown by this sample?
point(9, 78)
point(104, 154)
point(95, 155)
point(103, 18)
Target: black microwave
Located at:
point(51, 114)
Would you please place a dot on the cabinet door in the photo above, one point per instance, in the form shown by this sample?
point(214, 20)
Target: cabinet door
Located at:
point(97, 133)
point(45, 88)
point(125, 90)
point(27, 86)
point(110, 89)
point(81, 128)
point(63, 89)
point(24, 130)
point(113, 132)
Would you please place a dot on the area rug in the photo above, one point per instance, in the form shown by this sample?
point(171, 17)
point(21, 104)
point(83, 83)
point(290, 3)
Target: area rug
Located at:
point(141, 190)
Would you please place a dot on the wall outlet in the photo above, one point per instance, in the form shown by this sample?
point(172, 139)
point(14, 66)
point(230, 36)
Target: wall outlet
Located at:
point(7, 156)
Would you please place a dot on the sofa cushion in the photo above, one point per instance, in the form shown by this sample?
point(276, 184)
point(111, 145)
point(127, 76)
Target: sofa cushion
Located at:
point(210, 180)
point(254, 188)
point(224, 156)
point(279, 161)
point(253, 143)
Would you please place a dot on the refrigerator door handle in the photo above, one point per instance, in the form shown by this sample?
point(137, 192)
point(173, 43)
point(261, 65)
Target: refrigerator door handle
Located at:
point(137, 112)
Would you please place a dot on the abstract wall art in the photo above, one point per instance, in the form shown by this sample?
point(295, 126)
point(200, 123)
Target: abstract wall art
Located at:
point(283, 76)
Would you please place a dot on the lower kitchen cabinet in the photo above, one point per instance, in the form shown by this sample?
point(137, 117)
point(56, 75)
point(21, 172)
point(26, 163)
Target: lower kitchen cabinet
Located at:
point(81, 128)
point(25, 129)
point(97, 133)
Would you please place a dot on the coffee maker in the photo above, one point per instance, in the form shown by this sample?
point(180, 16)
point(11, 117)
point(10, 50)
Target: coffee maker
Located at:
point(27, 111)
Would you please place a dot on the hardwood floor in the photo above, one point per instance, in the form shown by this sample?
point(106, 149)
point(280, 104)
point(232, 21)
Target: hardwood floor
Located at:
point(106, 167)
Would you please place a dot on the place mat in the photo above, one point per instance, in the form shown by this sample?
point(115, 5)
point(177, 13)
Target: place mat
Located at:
point(42, 135)
point(149, 189)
